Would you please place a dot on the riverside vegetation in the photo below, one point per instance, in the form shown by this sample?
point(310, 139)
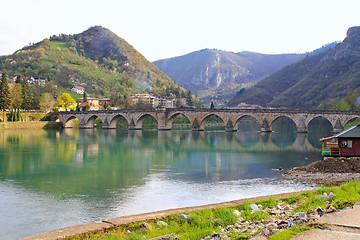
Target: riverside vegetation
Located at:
point(274, 218)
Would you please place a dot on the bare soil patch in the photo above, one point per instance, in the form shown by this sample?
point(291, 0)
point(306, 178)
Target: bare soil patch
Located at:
point(328, 171)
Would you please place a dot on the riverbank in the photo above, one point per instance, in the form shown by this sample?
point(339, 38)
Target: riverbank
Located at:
point(328, 171)
point(29, 125)
point(279, 216)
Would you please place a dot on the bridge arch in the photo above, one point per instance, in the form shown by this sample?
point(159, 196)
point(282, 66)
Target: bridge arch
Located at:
point(205, 117)
point(169, 122)
point(69, 121)
point(89, 121)
point(246, 117)
point(317, 118)
point(113, 121)
point(278, 118)
point(139, 121)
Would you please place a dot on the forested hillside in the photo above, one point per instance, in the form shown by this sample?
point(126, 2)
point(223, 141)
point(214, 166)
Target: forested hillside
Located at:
point(318, 81)
point(96, 59)
point(216, 75)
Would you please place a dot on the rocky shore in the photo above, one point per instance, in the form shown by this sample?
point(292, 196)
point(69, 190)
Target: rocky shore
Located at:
point(328, 171)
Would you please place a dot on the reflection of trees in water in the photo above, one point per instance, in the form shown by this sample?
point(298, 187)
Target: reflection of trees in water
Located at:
point(319, 128)
point(248, 139)
point(214, 138)
point(248, 124)
point(284, 132)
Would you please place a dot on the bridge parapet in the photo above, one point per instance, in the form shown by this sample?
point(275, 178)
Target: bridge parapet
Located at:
point(198, 116)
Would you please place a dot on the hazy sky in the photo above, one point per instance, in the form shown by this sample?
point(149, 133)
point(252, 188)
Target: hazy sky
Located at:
point(167, 28)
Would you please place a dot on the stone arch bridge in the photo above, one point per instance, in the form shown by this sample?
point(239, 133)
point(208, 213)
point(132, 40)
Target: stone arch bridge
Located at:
point(197, 117)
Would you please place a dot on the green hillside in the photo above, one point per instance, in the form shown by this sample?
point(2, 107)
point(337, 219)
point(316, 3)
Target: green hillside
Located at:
point(216, 75)
point(312, 83)
point(96, 59)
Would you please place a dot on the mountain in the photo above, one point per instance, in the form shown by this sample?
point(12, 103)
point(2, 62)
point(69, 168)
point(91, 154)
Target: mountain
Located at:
point(313, 82)
point(96, 59)
point(216, 75)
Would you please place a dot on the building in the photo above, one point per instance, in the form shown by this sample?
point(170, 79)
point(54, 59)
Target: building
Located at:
point(344, 144)
point(104, 102)
point(92, 102)
point(78, 89)
point(36, 80)
point(156, 100)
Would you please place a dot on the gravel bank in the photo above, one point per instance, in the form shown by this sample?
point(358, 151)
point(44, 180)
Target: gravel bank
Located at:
point(328, 171)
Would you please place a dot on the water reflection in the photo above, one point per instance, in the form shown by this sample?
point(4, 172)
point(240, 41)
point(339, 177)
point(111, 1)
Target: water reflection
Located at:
point(102, 160)
point(99, 172)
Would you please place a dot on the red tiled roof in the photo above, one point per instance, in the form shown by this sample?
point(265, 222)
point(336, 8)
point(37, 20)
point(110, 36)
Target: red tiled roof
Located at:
point(79, 87)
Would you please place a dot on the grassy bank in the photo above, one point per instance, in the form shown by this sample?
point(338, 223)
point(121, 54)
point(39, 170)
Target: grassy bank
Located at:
point(29, 125)
point(206, 222)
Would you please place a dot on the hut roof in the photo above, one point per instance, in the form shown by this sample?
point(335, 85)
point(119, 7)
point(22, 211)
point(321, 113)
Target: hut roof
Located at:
point(353, 132)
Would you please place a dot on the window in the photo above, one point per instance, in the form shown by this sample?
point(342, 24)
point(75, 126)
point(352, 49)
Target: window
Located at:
point(346, 143)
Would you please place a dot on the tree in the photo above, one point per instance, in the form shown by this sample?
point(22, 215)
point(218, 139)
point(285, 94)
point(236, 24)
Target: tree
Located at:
point(189, 100)
point(84, 97)
point(16, 101)
point(46, 102)
point(26, 95)
point(65, 101)
point(4, 94)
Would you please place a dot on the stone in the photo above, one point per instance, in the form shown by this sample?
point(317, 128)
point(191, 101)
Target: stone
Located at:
point(184, 216)
point(319, 211)
point(330, 209)
point(146, 225)
point(280, 206)
point(161, 223)
point(266, 232)
point(275, 211)
point(299, 215)
point(237, 213)
point(310, 211)
point(254, 208)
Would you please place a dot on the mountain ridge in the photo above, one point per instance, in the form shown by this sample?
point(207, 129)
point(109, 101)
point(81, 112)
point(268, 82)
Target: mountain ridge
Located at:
point(312, 82)
point(214, 74)
point(96, 59)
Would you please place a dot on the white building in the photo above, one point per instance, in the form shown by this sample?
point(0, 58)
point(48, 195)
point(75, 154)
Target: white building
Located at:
point(78, 89)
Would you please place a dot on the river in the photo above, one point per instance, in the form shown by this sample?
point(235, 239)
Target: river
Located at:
point(58, 178)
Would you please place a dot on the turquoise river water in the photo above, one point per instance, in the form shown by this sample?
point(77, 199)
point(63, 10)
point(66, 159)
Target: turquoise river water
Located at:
point(58, 178)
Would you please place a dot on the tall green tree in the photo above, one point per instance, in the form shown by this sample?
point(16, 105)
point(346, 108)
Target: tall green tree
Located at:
point(189, 100)
point(26, 96)
point(16, 101)
point(46, 102)
point(4, 94)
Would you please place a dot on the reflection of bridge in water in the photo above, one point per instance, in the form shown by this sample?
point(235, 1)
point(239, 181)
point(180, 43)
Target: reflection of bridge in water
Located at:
point(200, 141)
point(197, 117)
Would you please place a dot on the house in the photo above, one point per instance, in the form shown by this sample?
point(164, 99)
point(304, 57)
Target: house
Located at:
point(156, 100)
point(78, 89)
point(37, 80)
point(344, 144)
point(104, 101)
point(92, 102)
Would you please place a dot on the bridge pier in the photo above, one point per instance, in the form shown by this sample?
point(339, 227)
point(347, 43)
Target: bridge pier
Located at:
point(302, 130)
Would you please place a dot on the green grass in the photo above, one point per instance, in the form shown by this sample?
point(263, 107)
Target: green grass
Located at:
point(207, 221)
point(288, 233)
point(351, 124)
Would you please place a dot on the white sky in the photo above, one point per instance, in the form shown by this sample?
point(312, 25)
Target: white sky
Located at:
point(167, 28)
